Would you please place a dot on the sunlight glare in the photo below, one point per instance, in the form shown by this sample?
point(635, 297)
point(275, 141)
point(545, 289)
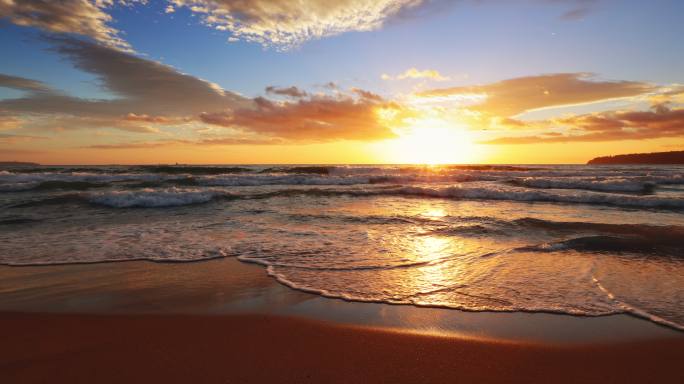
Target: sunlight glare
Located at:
point(432, 142)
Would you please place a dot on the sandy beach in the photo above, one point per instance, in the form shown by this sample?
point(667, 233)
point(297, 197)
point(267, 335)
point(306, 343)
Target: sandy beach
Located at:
point(223, 321)
point(269, 349)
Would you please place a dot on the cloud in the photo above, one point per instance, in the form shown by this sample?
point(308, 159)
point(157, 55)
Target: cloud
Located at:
point(514, 96)
point(659, 122)
point(83, 17)
point(315, 118)
point(292, 92)
point(60, 123)
point(150, 95)
point(154, 119)
point(366, 95)
point(576, 14)
point(11, 139)
point(22, 84)
point(579, 8)
point(218, 141)
point(414, 73)
point(8, 122)
point(141, 87)
point(17, 152)
point(284, 24)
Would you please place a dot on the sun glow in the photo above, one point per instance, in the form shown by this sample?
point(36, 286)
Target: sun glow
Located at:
point(434, 142)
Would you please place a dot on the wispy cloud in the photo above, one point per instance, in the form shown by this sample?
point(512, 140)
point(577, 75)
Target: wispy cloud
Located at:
point(11, 139)
point(415, 73)
point(22, 84)
point(218, 141)
point(514, 96)
point(292, 91)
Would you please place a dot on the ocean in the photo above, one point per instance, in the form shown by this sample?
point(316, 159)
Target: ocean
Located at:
point(571, 239)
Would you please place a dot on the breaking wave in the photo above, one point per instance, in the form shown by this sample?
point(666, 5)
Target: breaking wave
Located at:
point(166, 197)
point(155, 198)
point(642, 245)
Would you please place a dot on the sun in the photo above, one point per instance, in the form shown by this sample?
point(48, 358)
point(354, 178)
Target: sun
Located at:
point(434, 143)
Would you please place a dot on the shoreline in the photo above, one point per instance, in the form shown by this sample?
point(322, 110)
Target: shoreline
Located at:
point(228, 286)
point(249, 348)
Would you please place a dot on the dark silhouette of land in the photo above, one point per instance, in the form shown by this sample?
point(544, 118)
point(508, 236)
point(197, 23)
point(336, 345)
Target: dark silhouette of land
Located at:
point(673, 157)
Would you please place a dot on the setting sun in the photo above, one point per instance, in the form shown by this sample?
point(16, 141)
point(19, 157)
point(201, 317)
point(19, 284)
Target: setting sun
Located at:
point(433, 142)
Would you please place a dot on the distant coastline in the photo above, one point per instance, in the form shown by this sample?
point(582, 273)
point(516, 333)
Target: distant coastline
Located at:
point(673, 157)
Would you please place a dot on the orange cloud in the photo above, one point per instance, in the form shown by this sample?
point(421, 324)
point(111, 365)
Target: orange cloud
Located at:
point(661, 121)
point(152, 119)
point(514, 96)
point(205, 142)
point(312, 119)
point(11, 139)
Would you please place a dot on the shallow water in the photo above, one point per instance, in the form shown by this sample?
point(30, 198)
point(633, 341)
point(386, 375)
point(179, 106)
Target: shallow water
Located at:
point(568, 239)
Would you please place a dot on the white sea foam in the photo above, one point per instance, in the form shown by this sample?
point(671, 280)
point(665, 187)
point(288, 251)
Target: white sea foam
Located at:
point(592, 184)
point(154, 197)
point(502, 192)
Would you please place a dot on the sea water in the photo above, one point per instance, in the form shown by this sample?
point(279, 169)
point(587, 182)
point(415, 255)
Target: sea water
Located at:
point(580, 240)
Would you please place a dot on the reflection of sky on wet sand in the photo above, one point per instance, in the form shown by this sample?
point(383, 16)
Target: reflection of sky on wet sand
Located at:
point(227, 286)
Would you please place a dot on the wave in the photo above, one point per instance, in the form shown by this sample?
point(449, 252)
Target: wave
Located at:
point(494, 192)
point(622, 180)
point(151, 198)
point(643, 245)
point(306, 170)
point(18, 220)
point(207, 255)
point(194, 170)
point(671, 233)
point(601, 185)
point(67, 185)
point(665, 235)
point(53, 200)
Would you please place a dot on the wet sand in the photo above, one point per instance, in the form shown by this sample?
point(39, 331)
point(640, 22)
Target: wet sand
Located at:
point(225, 321)
point(229, 287)
point(71, 348)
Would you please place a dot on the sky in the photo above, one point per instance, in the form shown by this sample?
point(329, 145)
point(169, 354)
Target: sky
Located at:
point(350, 81)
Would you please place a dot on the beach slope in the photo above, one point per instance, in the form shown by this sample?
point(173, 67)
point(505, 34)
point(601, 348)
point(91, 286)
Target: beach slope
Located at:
point(70, 348)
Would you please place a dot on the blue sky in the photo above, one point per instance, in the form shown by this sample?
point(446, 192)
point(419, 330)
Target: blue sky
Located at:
point(468, 42)
point(633, 40)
